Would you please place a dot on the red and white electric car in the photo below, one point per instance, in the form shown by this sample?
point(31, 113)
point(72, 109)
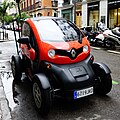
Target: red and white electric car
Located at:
point(56, 57)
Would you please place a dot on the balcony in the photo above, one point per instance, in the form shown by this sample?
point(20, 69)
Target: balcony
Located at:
point(31, 7)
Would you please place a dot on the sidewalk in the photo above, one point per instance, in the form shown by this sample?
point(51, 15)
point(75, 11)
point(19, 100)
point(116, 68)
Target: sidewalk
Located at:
point(4, 109)
point(9, 37)
point(5, 113)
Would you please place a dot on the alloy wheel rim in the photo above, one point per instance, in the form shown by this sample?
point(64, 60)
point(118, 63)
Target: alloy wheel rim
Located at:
point(37, 95)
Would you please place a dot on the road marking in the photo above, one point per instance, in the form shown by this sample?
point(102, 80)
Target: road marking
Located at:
point(114, 82)
point(94, 117)
point(97, 48)
point(112, 51)
point(4, 61)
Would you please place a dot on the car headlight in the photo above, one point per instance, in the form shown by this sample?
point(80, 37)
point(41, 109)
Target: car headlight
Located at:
point(51, 53)
point(85, 48)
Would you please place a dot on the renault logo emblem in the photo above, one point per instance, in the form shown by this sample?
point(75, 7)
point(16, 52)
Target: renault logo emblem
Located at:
point(73, 53)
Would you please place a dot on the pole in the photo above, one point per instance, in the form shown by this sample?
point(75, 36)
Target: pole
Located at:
point(20, 18)
point(15, 38)
point(74, 2)
point(19, 10)
point(17, 1)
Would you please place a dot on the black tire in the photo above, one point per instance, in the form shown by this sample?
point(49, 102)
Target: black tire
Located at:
point(42, 97)
point(111, 44)
point(16, 67)
point(104, 83)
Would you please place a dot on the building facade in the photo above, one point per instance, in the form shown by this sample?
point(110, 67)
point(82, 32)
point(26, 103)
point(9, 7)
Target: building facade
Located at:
point(39, 7)
point(107, 10)
point(90, 12)
point(114, 13)
point(81, 12)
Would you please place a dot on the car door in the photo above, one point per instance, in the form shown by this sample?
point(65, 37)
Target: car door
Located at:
point(32, 52)
point(25, 33)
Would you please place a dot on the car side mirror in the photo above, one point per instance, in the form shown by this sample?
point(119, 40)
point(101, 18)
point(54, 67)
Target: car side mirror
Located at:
point(24, 40)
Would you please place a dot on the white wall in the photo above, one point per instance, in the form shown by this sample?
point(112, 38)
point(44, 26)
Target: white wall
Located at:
point(103, 10)
point(60, 2)
point(84, 14)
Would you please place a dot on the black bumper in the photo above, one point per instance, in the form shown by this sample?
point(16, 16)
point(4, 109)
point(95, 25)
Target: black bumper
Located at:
point(74, 76)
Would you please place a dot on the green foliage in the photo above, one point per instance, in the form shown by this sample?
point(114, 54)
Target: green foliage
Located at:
point(24, 15)
point(8, 18)
point(3, 9)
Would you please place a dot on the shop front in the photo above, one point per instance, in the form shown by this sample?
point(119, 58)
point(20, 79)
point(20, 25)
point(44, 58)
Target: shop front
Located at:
point(79, 15)
point(93, 14)
point(114, 13)
point(67, 14)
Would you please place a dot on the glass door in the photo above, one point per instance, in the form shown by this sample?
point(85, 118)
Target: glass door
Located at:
point(114, 17)
point(93, 18)
point(119, 16)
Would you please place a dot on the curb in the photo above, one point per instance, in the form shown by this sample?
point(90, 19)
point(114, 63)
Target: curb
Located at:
point(4, 108)
point(96, 48)
point(110, 51)
point(5, 40)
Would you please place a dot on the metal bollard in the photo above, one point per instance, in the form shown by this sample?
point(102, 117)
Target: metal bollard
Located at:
point(6, 35)
point(1, 35)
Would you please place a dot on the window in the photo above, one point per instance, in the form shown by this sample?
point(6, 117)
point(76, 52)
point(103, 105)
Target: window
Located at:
point(57, 30)
point(114, 17)
point(33, 41)
point(26, 30)
point(66, 1)
point(93, 18)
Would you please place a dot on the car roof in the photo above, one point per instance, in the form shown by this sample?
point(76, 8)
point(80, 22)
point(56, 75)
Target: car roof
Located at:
point(44, 18)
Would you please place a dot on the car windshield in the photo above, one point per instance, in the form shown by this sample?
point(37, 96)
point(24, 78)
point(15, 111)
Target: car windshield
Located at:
point(57, 30)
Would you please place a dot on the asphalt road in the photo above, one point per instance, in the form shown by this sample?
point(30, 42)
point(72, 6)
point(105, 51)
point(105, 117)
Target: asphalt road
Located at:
point(89, 108)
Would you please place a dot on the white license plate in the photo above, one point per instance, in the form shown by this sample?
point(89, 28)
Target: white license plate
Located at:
point(83, 93)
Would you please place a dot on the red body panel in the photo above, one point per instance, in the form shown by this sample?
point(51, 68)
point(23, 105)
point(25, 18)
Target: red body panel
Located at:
point(44, 47)
point(64, 46)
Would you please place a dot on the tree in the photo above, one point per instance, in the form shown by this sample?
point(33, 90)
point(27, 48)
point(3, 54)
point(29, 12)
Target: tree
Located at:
point(3, 9)
point(24, 15)
point(8, 18)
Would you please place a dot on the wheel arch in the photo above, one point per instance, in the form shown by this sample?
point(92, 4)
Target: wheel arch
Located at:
point(44, 81)
point(102, 66)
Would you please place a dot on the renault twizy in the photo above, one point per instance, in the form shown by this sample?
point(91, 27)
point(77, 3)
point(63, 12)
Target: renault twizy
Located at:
point(55, 55)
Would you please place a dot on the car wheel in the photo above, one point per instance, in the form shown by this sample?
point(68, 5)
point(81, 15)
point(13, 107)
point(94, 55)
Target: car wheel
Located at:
point(16, 68)
point(42, 97)
point(104, 82)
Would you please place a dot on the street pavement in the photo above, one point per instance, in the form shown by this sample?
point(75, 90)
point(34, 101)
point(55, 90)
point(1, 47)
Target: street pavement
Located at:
point(5, 113)
point(5, 110)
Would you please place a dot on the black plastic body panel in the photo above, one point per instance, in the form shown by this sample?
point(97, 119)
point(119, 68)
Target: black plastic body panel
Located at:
point(44, 82)
point(74, 76)
point(103, 66)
